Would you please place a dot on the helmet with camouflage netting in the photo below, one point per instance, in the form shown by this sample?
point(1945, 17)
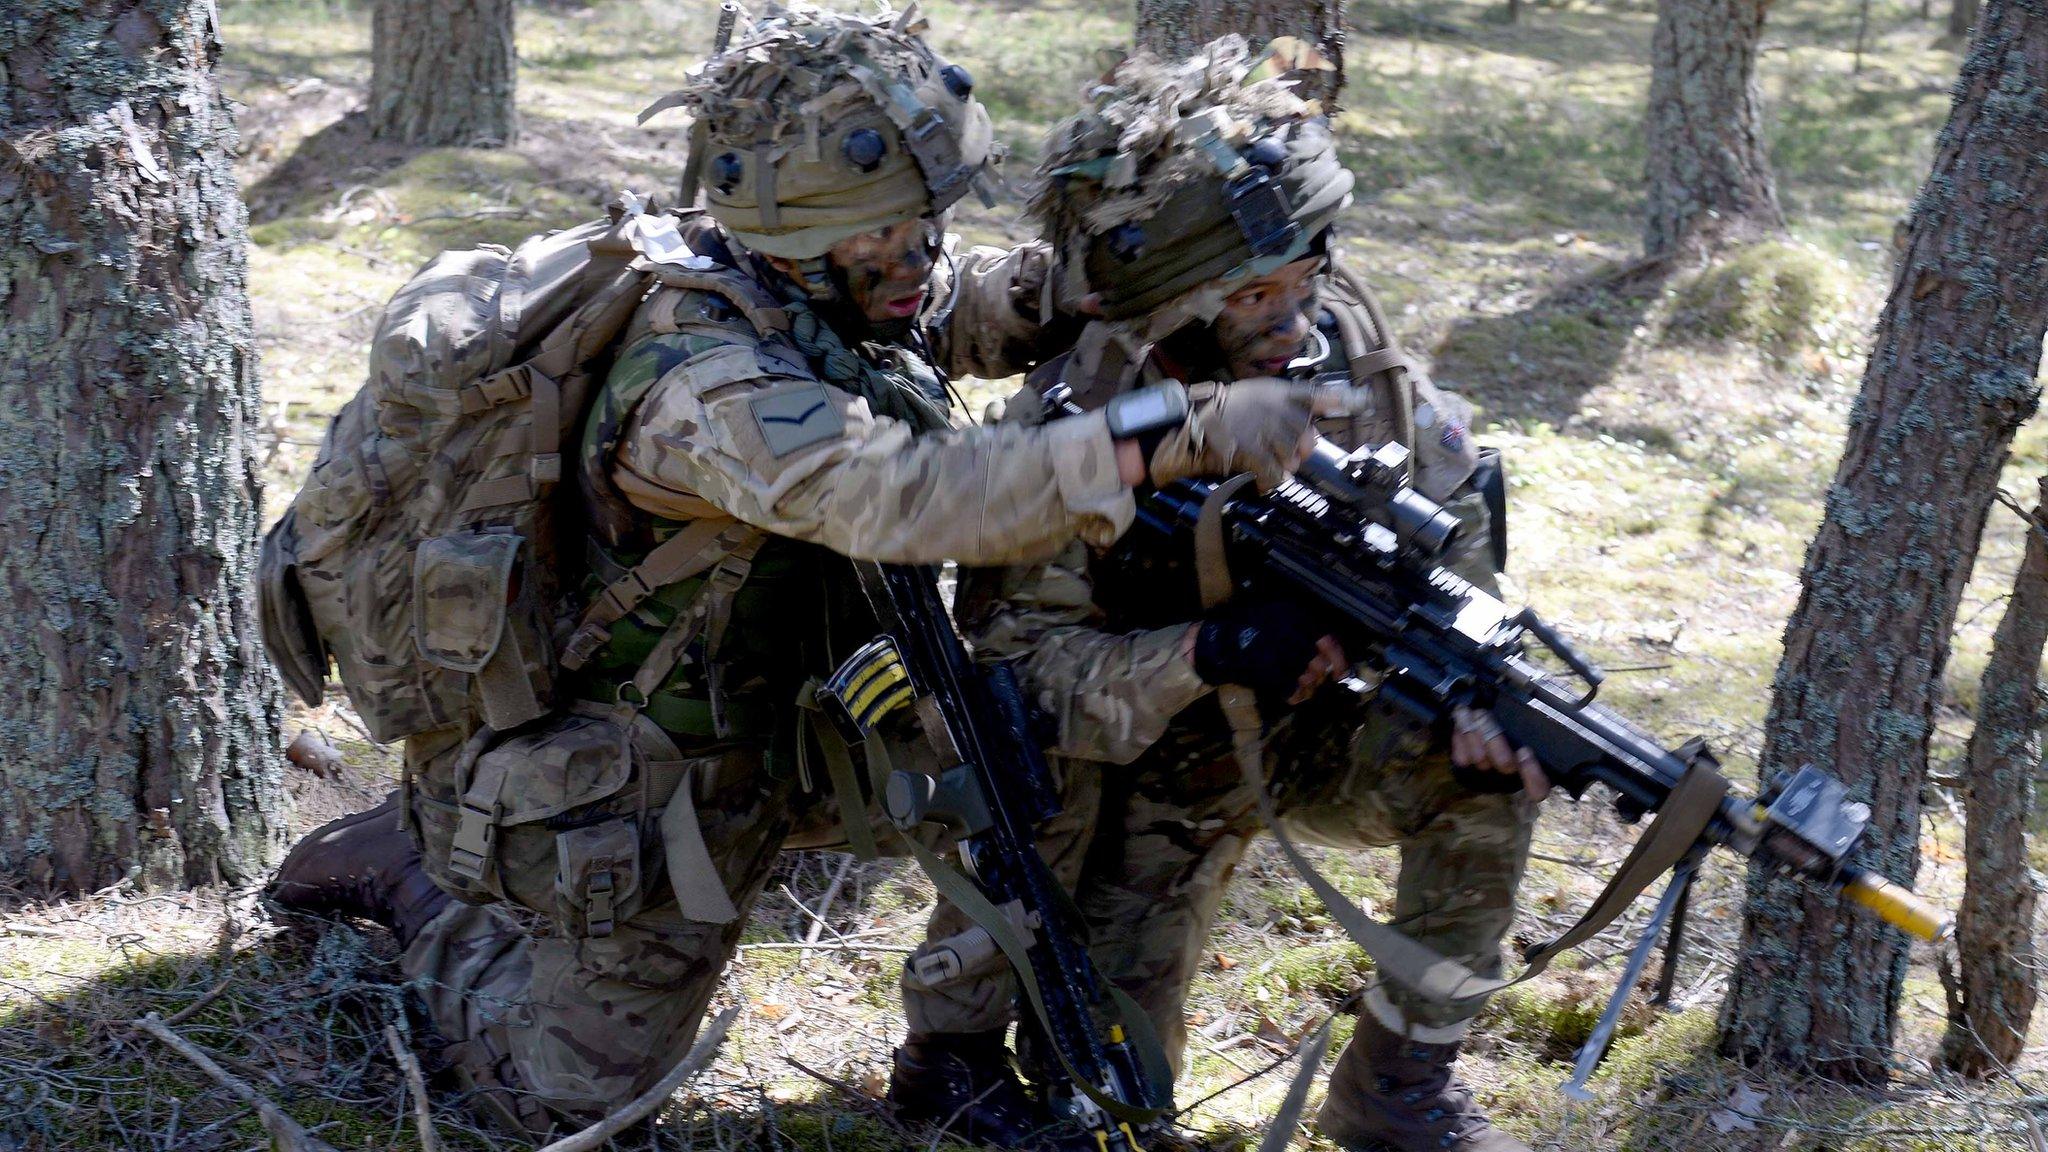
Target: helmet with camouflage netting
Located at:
point(1182, 178)
point(814, 125)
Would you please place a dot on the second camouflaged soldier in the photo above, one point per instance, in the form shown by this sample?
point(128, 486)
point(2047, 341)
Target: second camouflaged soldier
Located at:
point(778, 406)
point(1197, 201)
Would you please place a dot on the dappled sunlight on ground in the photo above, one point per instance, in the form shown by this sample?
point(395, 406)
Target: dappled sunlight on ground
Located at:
point(1665, 477)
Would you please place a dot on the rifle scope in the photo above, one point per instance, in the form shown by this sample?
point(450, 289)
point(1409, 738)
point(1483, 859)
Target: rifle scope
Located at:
point(1375, 484)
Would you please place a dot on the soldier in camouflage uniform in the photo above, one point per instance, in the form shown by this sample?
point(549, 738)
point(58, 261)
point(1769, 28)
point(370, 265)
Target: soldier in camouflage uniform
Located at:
point(1121, 655)
point(778, 407)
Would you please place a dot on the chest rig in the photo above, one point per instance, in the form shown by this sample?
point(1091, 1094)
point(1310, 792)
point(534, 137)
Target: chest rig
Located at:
point(715, 623)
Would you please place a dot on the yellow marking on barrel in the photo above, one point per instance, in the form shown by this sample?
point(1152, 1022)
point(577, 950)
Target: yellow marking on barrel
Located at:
point(1899, 907)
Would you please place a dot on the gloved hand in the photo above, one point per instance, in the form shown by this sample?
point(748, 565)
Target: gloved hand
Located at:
point(1274, 647)
point(1483, 759)
point(1256, 426)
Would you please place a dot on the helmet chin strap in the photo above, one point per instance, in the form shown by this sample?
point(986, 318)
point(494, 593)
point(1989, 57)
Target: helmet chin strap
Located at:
point(819, 280)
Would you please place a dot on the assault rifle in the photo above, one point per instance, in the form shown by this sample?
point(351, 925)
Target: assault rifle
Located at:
point(992, 799)
point(1349, 537)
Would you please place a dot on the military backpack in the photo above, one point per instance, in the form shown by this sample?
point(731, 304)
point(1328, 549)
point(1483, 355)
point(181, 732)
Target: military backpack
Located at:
point(433, 554)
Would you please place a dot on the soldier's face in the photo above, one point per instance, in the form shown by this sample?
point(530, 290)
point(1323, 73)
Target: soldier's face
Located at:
point(1265, 322)
point(885, 270)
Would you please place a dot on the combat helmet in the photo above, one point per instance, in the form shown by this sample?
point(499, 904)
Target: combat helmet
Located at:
point(1183, 178)
point(813, 126)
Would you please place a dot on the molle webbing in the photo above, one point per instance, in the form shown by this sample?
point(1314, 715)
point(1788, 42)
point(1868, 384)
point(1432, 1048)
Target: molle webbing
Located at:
point(1374, 358)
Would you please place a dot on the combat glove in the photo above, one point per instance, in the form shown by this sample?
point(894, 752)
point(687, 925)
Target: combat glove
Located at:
point(1251, 426)
point(1260, 644)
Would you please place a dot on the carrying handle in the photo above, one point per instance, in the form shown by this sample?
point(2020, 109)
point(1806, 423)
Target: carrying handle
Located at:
point(1564, 650)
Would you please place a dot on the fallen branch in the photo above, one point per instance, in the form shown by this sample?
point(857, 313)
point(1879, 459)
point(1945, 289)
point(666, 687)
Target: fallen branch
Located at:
point(192, 1009)
point(825, 946)
point(32, 930)
point(825, 905)
point(286, 1131)
point(408, 1063)
point(700, 1054)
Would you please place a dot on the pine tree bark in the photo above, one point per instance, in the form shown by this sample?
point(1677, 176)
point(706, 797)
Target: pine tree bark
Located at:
point(1961, 14)
point(1951, 377)
point(139, 718)
point(1177, 29)
point(1992, 999)
point(442, 72)
point(1708, 175)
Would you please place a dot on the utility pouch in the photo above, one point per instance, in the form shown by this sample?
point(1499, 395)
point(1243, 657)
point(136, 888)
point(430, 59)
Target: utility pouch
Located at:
point(1490, 480)
point(564, 819)
point(597, 877)
point(472, 616)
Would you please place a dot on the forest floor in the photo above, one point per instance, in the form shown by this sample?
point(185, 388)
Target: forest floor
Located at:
point(1669, 445)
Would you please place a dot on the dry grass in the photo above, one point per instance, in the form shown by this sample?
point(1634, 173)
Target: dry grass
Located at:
point(1665, 482)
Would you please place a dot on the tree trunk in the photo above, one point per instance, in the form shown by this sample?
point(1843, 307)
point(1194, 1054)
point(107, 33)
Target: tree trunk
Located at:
point(138, 717)
point(1992, 1000)
point(1176, 29)
point(1708, 174)
point(1961, 14)
point(1951, 376)
point(441, 72)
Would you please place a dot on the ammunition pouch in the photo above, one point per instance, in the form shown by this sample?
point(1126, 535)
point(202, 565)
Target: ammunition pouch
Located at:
point(577, 819)
point(1490, 480)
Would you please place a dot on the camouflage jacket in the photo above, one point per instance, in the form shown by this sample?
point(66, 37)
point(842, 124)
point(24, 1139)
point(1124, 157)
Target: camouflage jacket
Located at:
point(705, 414)
point(1112, 687)
point(714, 409)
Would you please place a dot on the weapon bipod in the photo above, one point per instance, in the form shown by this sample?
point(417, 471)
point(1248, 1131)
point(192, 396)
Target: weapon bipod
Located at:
point(1671, 909)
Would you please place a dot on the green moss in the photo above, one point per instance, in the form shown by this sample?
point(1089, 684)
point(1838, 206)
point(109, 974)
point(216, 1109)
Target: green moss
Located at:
point(1780, 296)
point(1555, 1019)
point(1656, 1046)
point(1329, 970)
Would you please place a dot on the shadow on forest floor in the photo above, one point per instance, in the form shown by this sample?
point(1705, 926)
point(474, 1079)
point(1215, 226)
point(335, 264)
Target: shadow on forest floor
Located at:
point(297, 1009)
point(1537, 364)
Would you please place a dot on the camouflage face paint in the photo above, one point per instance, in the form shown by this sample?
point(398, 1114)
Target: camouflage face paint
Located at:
point(885, 270)
point(1265, 323)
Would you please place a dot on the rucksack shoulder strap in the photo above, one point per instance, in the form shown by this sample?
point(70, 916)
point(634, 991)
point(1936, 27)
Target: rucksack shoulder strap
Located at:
point(698, 546)
point(765, 313)
point(1370, 350)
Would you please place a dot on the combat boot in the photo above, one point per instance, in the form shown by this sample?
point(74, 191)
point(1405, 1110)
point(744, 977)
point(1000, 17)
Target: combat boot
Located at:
point(1390, 1094)
point(965, 1082)
point(363, 865)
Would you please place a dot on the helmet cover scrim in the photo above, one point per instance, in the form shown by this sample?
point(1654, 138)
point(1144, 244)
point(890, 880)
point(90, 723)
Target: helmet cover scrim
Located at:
point(1182, 178)
point(820, 125)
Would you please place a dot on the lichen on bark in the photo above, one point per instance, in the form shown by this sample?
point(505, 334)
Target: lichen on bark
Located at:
point(138, 716)
point(1950, 379)
point(1177, 29)
point(1992, 992)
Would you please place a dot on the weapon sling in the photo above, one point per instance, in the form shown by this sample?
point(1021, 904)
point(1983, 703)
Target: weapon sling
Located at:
point(1678, 826)
point(954, 885)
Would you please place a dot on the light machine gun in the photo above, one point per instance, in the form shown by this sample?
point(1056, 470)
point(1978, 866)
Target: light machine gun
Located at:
point(1351, 539)
point(992, 798)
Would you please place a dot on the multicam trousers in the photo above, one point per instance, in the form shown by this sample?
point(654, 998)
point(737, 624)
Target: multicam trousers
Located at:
point(1148, 848)
point(575, 1015)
